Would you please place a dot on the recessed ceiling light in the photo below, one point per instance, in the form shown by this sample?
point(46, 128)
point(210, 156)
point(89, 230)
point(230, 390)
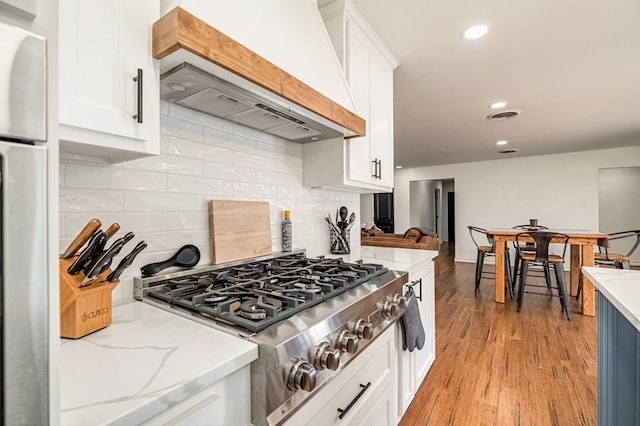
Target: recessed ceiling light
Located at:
point(398, 167)
point(497, 105)
point(502, 143)
point(475, 31)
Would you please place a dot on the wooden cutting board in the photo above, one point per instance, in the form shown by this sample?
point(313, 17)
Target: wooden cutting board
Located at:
point(239, 230)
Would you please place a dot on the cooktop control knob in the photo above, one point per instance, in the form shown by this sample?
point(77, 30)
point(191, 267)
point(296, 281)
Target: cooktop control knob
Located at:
point(347, 342)
point(399, 300)
point(324, 356)
point(301, 375)
point(388, 308)
point(363, 329)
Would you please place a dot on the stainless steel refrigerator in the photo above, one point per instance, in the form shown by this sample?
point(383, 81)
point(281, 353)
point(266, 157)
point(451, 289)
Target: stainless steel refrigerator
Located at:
point(23, 228)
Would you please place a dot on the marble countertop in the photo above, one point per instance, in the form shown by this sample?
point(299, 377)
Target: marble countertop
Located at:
point(146, 361)
point(399, 259)
point(621, 287)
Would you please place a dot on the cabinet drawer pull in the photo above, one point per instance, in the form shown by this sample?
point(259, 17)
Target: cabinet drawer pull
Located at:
point(351, 404)
point(138, 79)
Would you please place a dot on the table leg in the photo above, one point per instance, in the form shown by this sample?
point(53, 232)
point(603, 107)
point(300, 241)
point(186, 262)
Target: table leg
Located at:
point(588, 291)
point(500, 247)
point(575, 269)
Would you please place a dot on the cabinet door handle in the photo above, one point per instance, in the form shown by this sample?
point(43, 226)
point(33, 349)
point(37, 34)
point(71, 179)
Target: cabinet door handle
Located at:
point(419, 283)
point(375, 169)
point(352, 403)
point(379, 169)
point(138, 79)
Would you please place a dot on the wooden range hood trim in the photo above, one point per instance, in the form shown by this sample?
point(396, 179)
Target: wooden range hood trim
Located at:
point(179, 29)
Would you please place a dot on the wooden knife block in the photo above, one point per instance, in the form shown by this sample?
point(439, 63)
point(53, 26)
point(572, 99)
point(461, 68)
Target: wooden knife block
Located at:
point(83, 310)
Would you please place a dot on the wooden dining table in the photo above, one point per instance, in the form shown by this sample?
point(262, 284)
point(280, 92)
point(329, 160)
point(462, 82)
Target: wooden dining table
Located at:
point(582, 244)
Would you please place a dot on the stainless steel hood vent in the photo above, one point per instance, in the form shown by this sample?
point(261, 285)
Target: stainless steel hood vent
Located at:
point(199, 90)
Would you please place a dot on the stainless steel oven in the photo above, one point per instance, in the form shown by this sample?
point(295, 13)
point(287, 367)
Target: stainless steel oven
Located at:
point(23, 228)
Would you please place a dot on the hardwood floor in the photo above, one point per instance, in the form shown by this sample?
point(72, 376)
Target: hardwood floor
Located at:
point(495, 366)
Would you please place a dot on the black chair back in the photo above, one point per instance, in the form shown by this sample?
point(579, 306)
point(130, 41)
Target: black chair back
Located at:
point(475, 232)
point(542, 239)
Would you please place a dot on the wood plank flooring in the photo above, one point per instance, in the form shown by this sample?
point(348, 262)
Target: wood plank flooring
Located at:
point(495, 366)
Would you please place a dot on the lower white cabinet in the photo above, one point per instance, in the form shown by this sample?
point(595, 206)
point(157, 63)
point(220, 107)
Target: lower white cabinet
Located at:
point(372, 375)
point(414, 366)
point(226, 402)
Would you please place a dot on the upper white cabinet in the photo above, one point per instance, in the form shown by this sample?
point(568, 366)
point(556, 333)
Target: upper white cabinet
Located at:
point(108, 80)
point(364, 163)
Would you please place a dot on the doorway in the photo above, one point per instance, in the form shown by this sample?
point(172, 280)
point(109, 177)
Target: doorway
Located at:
point(430, 208)
point(383, 211)
point(451, 217)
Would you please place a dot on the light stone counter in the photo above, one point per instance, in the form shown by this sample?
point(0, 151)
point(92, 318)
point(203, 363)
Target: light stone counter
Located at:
point(398, 259)
point(621, 287)
point(145, 362)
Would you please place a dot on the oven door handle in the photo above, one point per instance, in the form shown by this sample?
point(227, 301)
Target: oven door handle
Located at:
point(352, 403)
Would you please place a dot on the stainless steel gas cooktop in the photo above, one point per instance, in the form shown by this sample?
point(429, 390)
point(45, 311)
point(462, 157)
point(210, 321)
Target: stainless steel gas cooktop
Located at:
point(309, 316)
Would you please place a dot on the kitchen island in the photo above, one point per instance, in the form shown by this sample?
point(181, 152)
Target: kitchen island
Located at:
point(618, 344)
point(154, 366)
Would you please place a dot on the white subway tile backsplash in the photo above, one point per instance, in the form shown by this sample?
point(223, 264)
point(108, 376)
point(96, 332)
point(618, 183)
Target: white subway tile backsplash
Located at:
point(167, 164)
point(183, 220)
point(164, 199)
point(188, 148)
point(254, 190)
point(230, 173)
point(114, 178)
point(278, 178)
point(87, 200)
point(229, 140)
point(134, 222)
point(253, 161)
point(183, 129)
point(196, 185)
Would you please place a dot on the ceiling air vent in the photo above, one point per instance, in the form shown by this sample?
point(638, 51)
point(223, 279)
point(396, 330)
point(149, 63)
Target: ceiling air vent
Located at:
point(508, 151)
point(503, 115)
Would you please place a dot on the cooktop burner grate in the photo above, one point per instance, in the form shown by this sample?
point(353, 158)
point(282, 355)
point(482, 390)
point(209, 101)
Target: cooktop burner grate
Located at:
point(258, 294)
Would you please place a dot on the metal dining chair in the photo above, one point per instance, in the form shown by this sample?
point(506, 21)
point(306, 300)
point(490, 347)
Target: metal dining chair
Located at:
point(479, 236)
point(542, 240)
point(529, 248)
point(618, 260)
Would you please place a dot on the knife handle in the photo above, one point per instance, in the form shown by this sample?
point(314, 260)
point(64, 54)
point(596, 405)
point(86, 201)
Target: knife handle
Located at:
point(96, 246)
point(92, 226)
point(115, 227)
point(126, 261)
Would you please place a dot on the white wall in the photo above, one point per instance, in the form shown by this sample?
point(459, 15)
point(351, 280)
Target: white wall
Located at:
point(560, 190)
point(366, 208)
point(422, 204)
point(619, 192)
point(163, 199)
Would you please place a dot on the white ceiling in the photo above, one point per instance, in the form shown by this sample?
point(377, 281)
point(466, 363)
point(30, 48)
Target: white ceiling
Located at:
point(571, 66)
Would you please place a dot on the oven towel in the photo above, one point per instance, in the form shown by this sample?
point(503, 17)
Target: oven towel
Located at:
point(412, 330)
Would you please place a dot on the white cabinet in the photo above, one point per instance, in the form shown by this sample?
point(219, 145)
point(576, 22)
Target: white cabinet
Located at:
point(104, 47)
point(226, 402)
point(372, 376)
point(414, 366)
point(365, 162)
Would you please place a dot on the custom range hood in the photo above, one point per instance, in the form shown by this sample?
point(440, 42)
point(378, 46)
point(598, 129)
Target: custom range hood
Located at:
point(207, 71)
